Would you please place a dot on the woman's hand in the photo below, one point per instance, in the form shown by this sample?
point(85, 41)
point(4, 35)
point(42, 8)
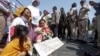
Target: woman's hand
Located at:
point(22, 53)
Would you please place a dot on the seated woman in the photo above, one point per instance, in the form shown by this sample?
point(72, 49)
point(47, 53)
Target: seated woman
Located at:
point(20, 43)
point(43, 31)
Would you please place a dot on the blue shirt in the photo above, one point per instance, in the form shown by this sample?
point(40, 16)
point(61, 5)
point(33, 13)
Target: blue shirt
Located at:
point(97, 8)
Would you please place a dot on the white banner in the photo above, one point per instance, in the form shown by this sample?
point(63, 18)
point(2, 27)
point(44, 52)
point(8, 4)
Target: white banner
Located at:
point(47, 47)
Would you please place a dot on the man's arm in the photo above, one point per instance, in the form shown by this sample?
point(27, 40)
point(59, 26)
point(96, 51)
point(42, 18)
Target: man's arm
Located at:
point(86, 7)
point(3, 8)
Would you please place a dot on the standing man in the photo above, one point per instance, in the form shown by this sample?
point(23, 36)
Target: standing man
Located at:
point(62, 21)
point(73, 18)
point(35, 13)
point(55, 21)
point(46, 17)
point(4, 13)
point(83, 18)
point(96, 6)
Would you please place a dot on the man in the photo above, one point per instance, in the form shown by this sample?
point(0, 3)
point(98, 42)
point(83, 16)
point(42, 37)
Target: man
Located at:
point(4, 13)
point(83, 18)
point(73, 18)
point(62, 21)
point(96, 6)
point(46, 17)
point(55, 21)
point(35, 13)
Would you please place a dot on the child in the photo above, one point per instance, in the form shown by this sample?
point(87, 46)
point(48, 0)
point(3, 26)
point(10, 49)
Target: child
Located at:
point(20, 43)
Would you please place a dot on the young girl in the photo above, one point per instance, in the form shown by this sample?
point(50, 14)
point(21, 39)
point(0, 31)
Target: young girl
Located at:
point(20, 43)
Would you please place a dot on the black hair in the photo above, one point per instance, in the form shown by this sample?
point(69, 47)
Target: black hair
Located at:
point(62, 10)
point(35, 2)
point(55, 7)
point(23, 11)
point(74, 5)
point(82, 2)
point(90, 2)
point(42, 20)
point(20, 32)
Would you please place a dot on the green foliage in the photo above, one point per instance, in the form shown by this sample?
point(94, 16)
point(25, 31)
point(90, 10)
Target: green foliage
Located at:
point(90, 27)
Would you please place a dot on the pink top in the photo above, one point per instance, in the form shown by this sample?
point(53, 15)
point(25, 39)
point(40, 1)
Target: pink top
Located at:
point(46, 30)
point(12, 31)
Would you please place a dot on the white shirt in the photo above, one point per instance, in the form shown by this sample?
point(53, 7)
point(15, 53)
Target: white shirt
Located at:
point(18, 21)
point(83, 13)
point(73, 12)
point(35, 14)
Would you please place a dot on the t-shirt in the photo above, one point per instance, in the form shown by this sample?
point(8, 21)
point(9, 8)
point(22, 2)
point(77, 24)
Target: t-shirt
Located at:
point(35, 14)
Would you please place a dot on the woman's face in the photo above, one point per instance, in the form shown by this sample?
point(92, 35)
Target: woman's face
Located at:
point(27, 13)
point(42, 24)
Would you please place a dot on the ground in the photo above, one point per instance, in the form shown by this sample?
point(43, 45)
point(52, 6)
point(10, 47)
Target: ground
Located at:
point(74, 48)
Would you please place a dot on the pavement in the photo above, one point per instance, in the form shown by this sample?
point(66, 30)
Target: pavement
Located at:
point(75, 48)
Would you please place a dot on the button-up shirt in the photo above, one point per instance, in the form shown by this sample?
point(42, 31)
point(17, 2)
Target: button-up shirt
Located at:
point(83, 13)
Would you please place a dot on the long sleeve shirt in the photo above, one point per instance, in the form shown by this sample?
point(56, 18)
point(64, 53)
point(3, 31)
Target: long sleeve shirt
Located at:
point(4, 5)
point(83, 13)
point(97, 8)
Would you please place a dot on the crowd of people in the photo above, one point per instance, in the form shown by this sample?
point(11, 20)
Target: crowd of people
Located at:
point(26, 26)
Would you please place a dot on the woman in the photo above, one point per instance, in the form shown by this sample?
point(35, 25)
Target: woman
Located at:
point(32, 33)
point(44, 31)
point(20, 43)
point(22, 20)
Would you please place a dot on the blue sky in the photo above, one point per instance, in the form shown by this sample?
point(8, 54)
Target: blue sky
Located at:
point(48, 4)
